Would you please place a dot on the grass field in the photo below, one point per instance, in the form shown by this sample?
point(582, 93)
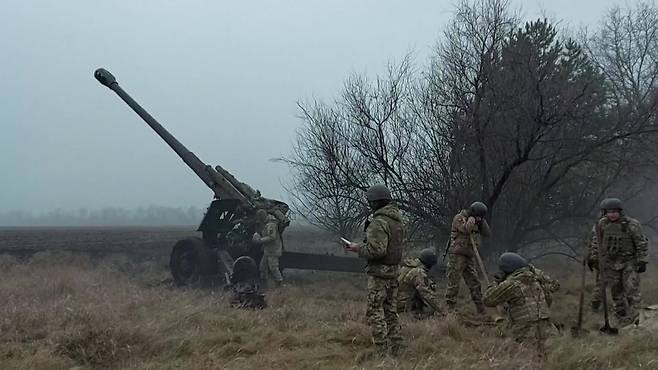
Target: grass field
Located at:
point(61, 311)
point(65, 311)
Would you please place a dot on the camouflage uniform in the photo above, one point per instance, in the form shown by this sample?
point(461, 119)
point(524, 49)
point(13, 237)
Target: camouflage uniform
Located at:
point(526, 294)
point(417, 292)
point(596, 292)
point(624, 247)
point(383, 250)
point(461, 260)
point(272, 250)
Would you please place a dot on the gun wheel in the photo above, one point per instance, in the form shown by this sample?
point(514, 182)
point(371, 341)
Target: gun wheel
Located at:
point(192, 262)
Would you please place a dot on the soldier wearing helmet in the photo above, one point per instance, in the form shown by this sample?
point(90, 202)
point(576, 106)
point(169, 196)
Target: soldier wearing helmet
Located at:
point(622, 245)
point(270, 240)
point(526, 292)
point(382, 248)
point(417, 292)
point(468, 227)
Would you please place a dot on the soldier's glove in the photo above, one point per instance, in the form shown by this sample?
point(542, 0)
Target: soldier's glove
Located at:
point(470, 224)
point(591, 264)
point(641, 267)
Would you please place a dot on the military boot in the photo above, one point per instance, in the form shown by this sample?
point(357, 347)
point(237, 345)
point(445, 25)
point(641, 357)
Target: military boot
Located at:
point(629, 319)
point(626, 321)
point(621, 317)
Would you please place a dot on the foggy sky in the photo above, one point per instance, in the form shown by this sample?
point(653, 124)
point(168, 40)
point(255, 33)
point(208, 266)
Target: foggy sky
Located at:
point(222, 76)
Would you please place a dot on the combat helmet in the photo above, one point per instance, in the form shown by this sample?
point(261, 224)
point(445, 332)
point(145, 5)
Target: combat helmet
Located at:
point(428, 257)
point(378, 192)
point(509, 262)
point(611, 203)
point(261, 215)
point(478, 209)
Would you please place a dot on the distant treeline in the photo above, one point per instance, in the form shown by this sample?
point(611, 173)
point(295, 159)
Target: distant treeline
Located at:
point(143, 216)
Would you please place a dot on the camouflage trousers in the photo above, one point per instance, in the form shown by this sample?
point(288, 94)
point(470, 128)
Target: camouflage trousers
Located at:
point(532, 336)
point(414, 304)
point(382, 314)
point(624, 284)
point(596, 291)
point(269, 269)
point(462, 267)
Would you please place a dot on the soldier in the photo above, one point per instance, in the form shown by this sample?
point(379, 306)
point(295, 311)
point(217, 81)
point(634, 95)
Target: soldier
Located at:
point(526, 292)
point(244, 286)
point(417, 292)
point(624, 253)
point(468, 227)
point(382, 249)
point(270, 240)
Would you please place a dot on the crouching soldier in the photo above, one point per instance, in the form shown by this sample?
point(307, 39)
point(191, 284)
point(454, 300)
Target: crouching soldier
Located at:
point(244, 285)
point(526, 293)
point(417, 292)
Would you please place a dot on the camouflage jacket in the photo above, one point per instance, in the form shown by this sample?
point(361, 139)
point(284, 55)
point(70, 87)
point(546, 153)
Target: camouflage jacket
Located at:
point(383, 244)
point(414, 283)
point(460, 234)
point(270, 238)
point(623, 242)
point(526, 294)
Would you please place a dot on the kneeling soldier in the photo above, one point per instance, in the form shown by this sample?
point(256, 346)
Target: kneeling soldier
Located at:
point(417, 292)
point(526, 293)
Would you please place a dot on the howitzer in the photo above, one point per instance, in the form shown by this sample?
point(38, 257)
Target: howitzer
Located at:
point(229, 221)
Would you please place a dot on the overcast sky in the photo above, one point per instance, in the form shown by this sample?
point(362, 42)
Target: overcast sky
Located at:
point(223, 76)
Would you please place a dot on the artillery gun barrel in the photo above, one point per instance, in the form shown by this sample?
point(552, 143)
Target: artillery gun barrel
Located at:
point(245, 189)
point(221, 187)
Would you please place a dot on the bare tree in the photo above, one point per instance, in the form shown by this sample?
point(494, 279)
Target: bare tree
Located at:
point(626, 50)
point(517, 116)
point(342, 149)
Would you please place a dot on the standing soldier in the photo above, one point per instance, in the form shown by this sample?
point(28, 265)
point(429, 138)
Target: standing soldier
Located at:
point(526, 291)
point(270, 239)
point(382, 249)
point(417, 292)
point(623, 248)
point(468, 227)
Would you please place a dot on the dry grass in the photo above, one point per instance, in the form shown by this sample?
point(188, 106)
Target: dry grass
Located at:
point(60, 312)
